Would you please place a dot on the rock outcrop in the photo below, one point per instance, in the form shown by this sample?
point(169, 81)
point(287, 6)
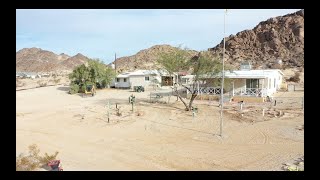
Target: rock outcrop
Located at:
point(278, 38)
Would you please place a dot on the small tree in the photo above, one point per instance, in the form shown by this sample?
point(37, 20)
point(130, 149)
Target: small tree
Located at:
point(94, 72)
point(204, 67)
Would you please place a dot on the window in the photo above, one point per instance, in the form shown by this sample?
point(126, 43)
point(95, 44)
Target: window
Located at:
point(125, 80)
point(118, 79)
point(274, 83)
point(146, 78)
point(252, 83)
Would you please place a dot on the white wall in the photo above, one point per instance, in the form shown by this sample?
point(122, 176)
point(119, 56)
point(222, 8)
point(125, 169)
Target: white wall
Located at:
point(121, 83)
point(136, 80)
point(274, 81)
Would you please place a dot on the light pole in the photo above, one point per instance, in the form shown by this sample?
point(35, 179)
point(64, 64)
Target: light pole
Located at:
point(222, 83)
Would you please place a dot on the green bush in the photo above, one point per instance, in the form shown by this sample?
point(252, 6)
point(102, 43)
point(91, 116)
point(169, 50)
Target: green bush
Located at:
point(95, 72)
point(74, 88)
point(82, 88)
point(104, 83)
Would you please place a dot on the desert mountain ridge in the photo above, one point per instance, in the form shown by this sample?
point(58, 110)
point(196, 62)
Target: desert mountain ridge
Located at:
point(39, 60)
point(276, 39)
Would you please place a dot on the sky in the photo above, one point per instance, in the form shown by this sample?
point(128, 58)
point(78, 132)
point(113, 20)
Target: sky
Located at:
point(100, 33)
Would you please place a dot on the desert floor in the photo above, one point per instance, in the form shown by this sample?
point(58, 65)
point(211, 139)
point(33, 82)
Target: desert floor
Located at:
point(157, 136)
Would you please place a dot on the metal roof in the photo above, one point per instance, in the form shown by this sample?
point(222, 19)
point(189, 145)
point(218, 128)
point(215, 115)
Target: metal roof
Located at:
point(245, 74)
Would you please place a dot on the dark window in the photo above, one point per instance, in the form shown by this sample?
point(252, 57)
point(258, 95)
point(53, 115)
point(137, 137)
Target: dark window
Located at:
point(146, 78)
point(118, 79)
point(252, 83)
point(125, 80)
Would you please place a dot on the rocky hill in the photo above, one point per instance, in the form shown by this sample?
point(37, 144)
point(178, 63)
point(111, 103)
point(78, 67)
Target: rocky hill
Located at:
point(74, 61)
point(144, 59)
point(278, 38)
point(38, 60)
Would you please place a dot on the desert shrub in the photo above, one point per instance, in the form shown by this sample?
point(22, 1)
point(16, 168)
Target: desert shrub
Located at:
point(276, 66)
point(33, 160)
point(104, 83)
point(47, 158)
point(56, 81)
point(82, 88)
point(295, 78)
point(74, 88)
point(42, 84)
point(19, 83)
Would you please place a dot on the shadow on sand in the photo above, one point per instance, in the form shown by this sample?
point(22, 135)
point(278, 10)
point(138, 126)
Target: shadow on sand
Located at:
point(64, 88)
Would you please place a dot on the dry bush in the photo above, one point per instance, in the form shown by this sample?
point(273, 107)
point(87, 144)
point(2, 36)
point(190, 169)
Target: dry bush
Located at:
point(276, 66)
point(42, 84)
point(295, 78)
point(32, 161)
point(19, 83)
point(301, 69)
point(56, 81)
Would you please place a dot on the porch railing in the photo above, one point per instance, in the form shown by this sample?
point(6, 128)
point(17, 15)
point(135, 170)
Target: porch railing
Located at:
point(260, 92)
point(207, 90)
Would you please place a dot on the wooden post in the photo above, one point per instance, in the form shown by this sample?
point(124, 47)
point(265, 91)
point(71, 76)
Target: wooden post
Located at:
point(115, 62)
point(232, 88)
point(263, 112)
point(108, 110)
point(241, 106)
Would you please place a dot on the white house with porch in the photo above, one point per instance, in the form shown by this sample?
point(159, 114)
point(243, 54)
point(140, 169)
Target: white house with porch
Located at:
point(260, 83)
point(245, 82)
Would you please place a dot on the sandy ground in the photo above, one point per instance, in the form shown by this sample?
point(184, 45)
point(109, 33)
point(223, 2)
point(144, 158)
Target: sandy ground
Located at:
point(28, 83)
point(162, 137)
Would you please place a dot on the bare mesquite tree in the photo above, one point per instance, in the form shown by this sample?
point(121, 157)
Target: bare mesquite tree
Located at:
point(203, 66)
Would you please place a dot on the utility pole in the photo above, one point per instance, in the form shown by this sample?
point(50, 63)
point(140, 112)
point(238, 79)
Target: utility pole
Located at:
point(222, 83)
point(115, 63)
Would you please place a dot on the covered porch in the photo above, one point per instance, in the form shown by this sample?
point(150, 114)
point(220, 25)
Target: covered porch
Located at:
point(253, 87)
point(250, 87)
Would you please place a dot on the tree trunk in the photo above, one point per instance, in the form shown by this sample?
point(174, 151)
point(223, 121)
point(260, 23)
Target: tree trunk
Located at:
point(194, 95)
point(185, 104)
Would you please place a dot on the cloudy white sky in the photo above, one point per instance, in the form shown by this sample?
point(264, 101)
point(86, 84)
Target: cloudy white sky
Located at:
point(101, 33)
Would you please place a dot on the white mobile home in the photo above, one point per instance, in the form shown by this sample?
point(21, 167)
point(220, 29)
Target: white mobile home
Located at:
point(245, 82)
point(255, 82)
point(137, 78)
